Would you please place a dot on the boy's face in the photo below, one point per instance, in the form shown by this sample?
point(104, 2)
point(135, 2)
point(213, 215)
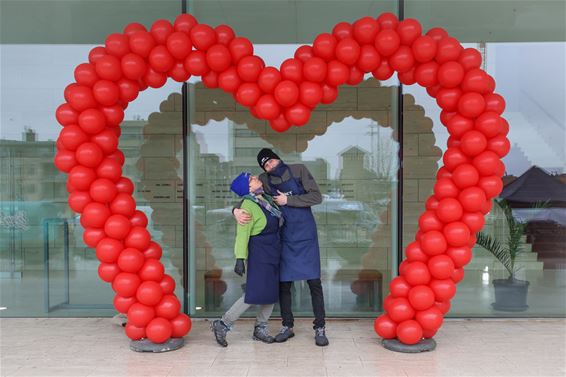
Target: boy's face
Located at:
point(255, 183)
point(271, 164)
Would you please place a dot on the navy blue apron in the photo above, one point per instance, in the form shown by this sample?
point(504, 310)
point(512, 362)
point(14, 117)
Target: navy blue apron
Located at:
point(264, 254)
point(300, 256)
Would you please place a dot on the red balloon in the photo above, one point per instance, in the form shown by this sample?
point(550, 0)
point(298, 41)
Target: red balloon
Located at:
point(426, 74)
point(388, 21)
point(123, 204)
point(304, 53)
point(385, 327)
point(365, 30)
point(465, 175)
point(488, 163)
point(66, 115)
point(448, 98)
point(474, 220)
point(398, 287)
point(72, 137)
point(94, 215)
point(167, 284)
point(125, 185)
point(268, 79)
point(421, 297)
point(429, 221)
point(454, 157)
point(491, 185)
point(109, 67)
point(432, 203)
point(129, 90)
point(179, 45)
point(239, 48)
point(459, 125)
point(134, 332)
point(298, 114)
point(106, 140)
point(292, 69)
point(138, 218)
point(424, 49)
point(149, 293)
point(409, 30)
point(457, 233)
point(210, 80)
point(475, 81)
point(85, 74)
point(103, 190)
point(229, 80)
point(224, 34)
point(267, 107)
point(286, 93)
point(117, 226)
point(152, 270)
point(184, 22)
point(92, 121)
point(130, 260)
point(126, 284)
point(494, 102)
point(329, 93)
point(450, 74)
point(414, 253)
point(409, 332)
point(117, 44)
point(280, 124)
point(337, 73)
point(159, 329)
point(448, 49)
point(384, 71)
point(343, 30)
point(78, 200)
point(179, 73)
point(473, 143)
point(400, 310)
point(153, 251)
point(449, 209)
point(445, 188)
point(417, 273)
point(433, 243)
point(445, 116)
point(369, 59)
point(96, 53)
point(141, 43)
point(181, 325)
point(218, 58)
point(348, 51)
point(108, 271)
point(79, 97)
point(108, 250)
point(470, 58)
point(140, 315)
point(472, 199)
point(440, 267)
point(443, 290)
point(324, 46)
point(356, 76)
point(310, 93)
point(460, 256)
point(387, 42)
point(114, 115)
point(138, 238)
point(471, 104)
point(407, 78)
point(160, 59)
point(123, 304)
point(168, 307)
point(249, 68)
point(314, 69)
point(387, 302)
point(203, 36)
point(402, 60)
point(248, 94)
point(458, 275)
point(427, 334)
point(485, 211)
point(196, 63)
point(430, 319)
point(489, 124)
point(161, 30)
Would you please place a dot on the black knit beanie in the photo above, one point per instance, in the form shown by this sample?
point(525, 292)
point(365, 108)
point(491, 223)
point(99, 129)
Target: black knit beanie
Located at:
point(265, 155)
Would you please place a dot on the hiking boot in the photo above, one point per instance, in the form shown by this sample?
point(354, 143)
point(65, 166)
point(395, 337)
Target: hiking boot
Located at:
point(261, 333)
point(220, 330)
point(320, 337)
point(284, 334)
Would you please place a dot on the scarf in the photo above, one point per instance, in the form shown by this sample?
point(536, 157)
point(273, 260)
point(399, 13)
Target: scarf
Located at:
point(265, 202)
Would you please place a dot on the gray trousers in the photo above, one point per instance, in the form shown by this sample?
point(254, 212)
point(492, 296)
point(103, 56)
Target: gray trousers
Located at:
point(239, 307)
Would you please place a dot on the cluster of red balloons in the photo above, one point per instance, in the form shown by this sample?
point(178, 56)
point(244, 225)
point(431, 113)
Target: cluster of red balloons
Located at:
point(470, 178)
point(87, 149)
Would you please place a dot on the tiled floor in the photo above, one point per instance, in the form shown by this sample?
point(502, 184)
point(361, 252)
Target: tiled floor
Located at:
point(96, 347)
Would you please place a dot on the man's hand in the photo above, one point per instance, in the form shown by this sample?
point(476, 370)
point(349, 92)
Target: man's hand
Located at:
point(242, 217)
point(240, 267)
point(280, 199)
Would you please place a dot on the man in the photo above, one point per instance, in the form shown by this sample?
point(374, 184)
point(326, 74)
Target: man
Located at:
point(295, 191)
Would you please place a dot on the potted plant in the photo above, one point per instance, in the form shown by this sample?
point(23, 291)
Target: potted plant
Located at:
point(510, 293)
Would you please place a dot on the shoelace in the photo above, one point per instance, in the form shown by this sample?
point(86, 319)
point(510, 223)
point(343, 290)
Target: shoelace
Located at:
point(283, 330)
point(320, 331)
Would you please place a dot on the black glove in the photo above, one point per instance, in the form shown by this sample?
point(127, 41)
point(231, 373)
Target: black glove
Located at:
point(240, 267)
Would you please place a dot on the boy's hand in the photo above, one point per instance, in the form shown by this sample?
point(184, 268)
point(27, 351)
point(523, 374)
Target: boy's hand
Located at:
point(240, 267)
point(242, 217)
point(280, 199)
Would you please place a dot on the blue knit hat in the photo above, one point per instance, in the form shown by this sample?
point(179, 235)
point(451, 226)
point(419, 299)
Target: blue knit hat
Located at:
point(241, 184)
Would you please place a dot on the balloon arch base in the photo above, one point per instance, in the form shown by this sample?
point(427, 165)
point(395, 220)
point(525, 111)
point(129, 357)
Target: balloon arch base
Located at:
point(425, 345)
point(146, 345)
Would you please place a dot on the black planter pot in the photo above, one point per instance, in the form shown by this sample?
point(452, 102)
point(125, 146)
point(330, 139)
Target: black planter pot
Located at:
point(510, 295)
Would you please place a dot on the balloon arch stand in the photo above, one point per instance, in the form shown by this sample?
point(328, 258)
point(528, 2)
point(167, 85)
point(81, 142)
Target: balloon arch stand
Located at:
point(130, 62)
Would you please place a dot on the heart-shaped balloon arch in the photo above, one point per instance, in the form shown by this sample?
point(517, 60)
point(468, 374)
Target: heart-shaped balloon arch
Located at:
point(87, 149)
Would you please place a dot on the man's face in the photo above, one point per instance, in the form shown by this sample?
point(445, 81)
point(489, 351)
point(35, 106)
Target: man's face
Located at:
point(271, 164)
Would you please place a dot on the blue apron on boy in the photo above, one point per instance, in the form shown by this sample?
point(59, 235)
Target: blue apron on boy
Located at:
point(300, 255)
point(264, 254)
